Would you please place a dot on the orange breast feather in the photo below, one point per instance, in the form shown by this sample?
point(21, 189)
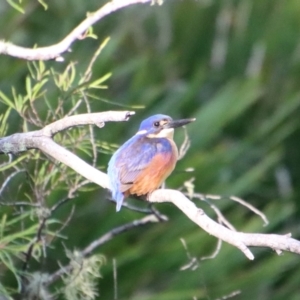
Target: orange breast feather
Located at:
point(154, 174)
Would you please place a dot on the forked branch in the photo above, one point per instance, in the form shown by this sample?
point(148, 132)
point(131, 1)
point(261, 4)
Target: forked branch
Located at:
point(42, 140)
point(238, 239)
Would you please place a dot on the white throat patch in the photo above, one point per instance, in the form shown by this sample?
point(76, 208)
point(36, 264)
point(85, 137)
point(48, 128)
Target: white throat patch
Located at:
point(164, 133)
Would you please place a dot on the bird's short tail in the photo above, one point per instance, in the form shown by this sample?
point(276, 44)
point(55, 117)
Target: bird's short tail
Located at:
point(119, 198)
point(119, 205)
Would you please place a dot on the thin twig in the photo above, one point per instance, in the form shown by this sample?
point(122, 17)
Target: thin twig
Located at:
point(160, 217)
point(102, 240)
point(215, 252)
point(185, 144)
point(91, 129)
point(116, 231)
point(74, 108)
point(204, 197)
point(115, 279)
point(20, 203)
point(193, 263)
point(135, 208)
point(88, 73)
point(231, 295)
point(67, 221)
point(251, 207)
point(70, 196)
point(38, 237)
point(4, 184)
point(221, 218)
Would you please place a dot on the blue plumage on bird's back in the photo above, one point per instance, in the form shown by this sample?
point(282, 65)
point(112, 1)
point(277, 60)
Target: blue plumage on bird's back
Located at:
point(126, 168)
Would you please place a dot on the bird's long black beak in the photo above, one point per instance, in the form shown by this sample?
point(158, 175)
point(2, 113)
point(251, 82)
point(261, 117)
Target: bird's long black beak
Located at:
point(179, 123)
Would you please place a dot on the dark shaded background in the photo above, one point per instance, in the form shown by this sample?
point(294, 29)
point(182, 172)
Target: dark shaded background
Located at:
point(235, 66)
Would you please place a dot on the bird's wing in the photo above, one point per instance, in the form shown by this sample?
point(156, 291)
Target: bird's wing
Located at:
point(129, 167)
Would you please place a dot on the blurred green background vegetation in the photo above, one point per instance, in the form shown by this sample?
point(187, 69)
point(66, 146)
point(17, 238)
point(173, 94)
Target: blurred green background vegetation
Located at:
point(235, 66)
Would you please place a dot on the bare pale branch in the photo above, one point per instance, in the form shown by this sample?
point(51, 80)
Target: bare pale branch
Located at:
point(55, 51)
point(238, 239)
point(42, 140)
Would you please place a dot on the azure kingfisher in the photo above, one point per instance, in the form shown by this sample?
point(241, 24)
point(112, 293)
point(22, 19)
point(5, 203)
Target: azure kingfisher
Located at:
point(142, 164)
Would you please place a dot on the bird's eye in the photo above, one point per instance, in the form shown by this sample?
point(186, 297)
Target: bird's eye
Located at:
point(156, 124)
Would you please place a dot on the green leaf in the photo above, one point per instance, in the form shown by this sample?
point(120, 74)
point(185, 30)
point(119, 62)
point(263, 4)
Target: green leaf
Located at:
point(6, 100)
point(2, 225)
point(97, 83)
point(7, 260)
point(4, 122)
point(13, 163)
point(28, 87)
point(15, 6)
point(44, 4)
